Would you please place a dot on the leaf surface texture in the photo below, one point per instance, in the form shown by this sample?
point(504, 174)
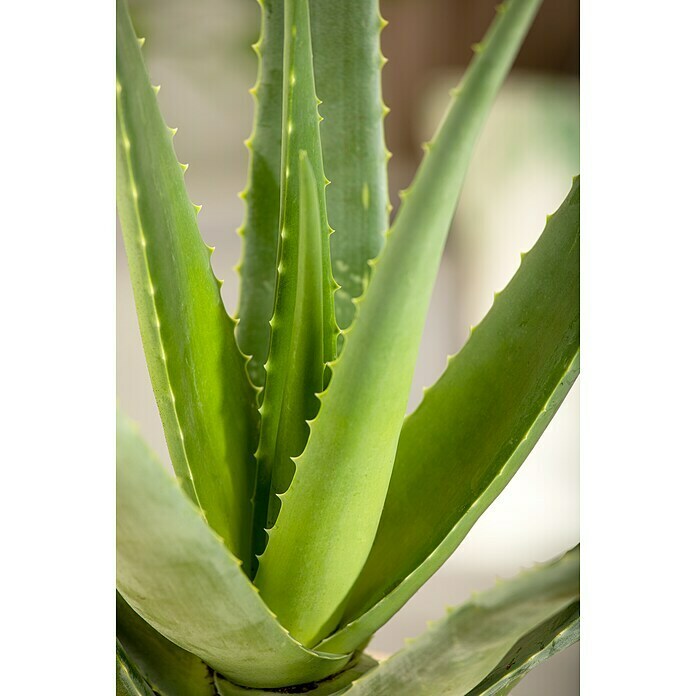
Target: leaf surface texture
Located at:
point(476, 425)
point(198, 376)
point(486, 645)
point(330, 513)
point(176, 573)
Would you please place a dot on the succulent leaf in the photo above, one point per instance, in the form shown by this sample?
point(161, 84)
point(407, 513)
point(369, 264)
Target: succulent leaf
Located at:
point(348, 67)
point(177, 574)
point(541, 643)
point(476, 425)
point(205, 399)
point(168, 668)
point(259, 233)
point(332, 686)
point(303, 327)
point(485, 646)
point(330, 513)
point(129, 681)
point(269, 430)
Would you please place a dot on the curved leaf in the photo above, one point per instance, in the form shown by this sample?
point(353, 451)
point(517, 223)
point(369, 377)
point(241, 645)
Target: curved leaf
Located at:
point(129, 681)
point(303, 328)
point(168, 668)
point(476, 425)
point(205, 399)
point(491, 641)
point(541, 643)
point(348, 67)
point(305, 368)
point(176, 573)
point(259, 233)
point(330, 513)
point(332, 686)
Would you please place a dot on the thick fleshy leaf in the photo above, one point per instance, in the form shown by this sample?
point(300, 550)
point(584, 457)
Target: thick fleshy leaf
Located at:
point(489, 643)
point(330, 513)
point(476, 425)
point(348, 66)
point(303, 328)
point(543, 642)
point(176, 573)
point(259, 265)
point(205, 399)
point(332, 686)
point(169, 669)
point(129, 681)
point(305, 367)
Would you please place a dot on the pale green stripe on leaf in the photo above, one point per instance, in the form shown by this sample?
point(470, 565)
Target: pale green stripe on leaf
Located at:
point(168, 668)
point(485, 645)
point(129, 681)
point(348, 66)
point(306, 365)
point(330, 513)
point(198, 376)
point(303, 328)
point(175, 572)
point(541, 643)
point(476, 425)
point(259, 233)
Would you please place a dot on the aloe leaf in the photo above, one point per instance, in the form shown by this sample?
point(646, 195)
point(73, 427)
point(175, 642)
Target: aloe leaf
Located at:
point(129, 681)
point(178, 575)
point(330, 513)
point(303, 328)
point(476, 425)
point(205, 399)
point(305, 372)
point(541, 643)
point(509, 687)
point(168, 668)
point(347, 66)
point(332, 686)
point(259, 233)
point(486, 645)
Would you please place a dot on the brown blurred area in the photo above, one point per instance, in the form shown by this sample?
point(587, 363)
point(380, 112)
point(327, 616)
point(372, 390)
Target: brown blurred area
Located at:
point(427, 36)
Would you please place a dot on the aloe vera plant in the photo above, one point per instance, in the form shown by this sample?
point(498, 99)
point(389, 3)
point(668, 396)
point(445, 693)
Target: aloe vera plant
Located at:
point(306, 509)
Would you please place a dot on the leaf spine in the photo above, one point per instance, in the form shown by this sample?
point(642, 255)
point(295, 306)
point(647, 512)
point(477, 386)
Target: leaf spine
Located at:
point(151, 292)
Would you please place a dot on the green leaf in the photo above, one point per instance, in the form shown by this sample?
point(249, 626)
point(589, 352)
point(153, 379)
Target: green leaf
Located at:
point(347, 66)
point(476, 425)
point(331, 511)
point(305, 373)
point(258, 268)
point(205, 400)
point(170, 670)
point(129, 682)
point(303, 328)
point(541, 643)
point(487, 644)
point(176, 573)
point(332, 686)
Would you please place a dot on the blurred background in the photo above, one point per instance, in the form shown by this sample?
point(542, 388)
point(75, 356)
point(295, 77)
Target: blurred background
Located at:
point(200, 53)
